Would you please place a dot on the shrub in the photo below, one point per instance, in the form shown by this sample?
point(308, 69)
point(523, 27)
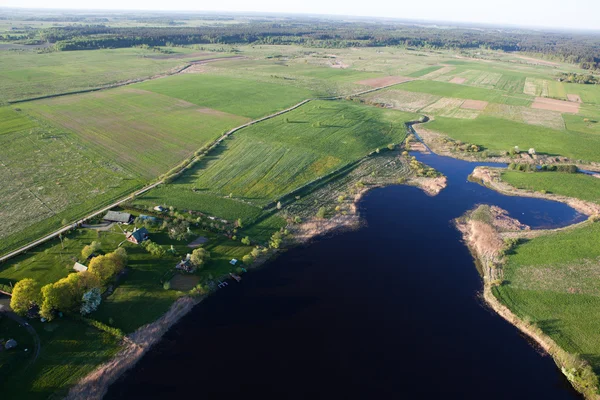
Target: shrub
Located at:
point(246, 240)
point(153, 248)
point(199, 257)
point(321, 213)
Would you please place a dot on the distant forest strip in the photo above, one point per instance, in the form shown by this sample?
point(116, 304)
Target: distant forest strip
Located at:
point(576, 48)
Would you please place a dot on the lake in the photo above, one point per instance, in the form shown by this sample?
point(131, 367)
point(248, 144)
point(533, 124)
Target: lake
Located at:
point(391, 310)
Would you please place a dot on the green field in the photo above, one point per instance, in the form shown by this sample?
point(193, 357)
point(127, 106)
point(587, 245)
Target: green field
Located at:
point(262, 163)
point(27, 74)
point(484, 131)
point(253, 98)
point(552, 281)
point(48, 175)
point(579, 186)
point(146, 132)
point(424, 71)
point(466, 92)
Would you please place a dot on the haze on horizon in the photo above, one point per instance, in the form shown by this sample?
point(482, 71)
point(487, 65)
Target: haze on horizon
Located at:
point(576, 14)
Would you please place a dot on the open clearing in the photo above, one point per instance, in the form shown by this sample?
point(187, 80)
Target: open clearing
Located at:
point(474, 105)
point(574, 97)
point(555, 105)
point(384, 81)
point(527, 115)
point(147, 132)
point(264, 162)
point(47, 175)
point(253, 99)
point(560, 291)
point(402, 100)
point(458, 80)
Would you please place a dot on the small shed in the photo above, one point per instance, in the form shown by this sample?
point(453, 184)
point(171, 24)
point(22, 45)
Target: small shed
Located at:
point(117, 216)
point(233, 261)
point(137, 236)
point(79, 267)
point(159, 208)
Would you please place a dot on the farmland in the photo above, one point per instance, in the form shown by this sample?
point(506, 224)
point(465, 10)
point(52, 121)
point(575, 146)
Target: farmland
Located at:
point(52, 176)
point(558, 292)
point(124, 124)
point(579, 185)
point(28, 74)
point(483, 130)
point(254, 99)
point(258, 166)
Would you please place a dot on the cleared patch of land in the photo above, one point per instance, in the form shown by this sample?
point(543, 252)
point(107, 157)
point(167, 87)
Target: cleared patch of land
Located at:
point(536, 87)
point(253, 98)
point(449, 107)
point(458, 80)
point(474, 105)
point(425, 71)
point(48, 175)
point(559, 291)
point(574, 97)
point(579, 186)
point(527, 115)
point(149, 133)
point(402, 100)
point(384, 81)
point(484, 131)
point(555, 105)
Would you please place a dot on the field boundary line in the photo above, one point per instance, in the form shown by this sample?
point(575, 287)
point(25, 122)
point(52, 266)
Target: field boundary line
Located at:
point(143, 190)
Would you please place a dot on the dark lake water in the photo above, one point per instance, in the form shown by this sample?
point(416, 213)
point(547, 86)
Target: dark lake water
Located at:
point(388, 311)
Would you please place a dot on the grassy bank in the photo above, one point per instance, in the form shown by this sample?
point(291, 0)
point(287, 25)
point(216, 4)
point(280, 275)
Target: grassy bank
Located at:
point(579, 185)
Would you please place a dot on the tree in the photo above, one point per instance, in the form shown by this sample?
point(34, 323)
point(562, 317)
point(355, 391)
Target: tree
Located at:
point(90, 249)
point(321, 213)
point(246, 240)
point(199, 257)
point(58, 296)
point(153, 248)
point(238, 223)
point(25, 295)
point(276, 240)
point(90, 301)
point(119, 259)
point(103, 267)
point(179, 230)
point(248, 259)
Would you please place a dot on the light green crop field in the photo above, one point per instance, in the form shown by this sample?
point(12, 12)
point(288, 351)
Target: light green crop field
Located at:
point(25, 74)
point(580, 186)
point(467, 92)
point(266, 161)
point(484, 130)
point(48, 175)
point(253, 98)
point(146, 132)
point(559, 292)
point(424, 71)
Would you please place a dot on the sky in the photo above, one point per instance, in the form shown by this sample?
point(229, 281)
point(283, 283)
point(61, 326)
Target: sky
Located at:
point(573, 14)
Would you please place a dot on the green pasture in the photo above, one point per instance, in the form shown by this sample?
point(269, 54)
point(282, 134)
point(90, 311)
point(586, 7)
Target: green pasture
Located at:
point(253, 98)
point(552, 281)
point(146, 132)
point(498, 134)
point(579, 185)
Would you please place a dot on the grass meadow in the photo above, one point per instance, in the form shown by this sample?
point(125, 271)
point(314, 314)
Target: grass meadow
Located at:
point(580, 186)
point(253, 98)
point(146, 132)
point(559, 292)
point(484, 130)
point(262, 163)
point(26, 74)
point(48, 175)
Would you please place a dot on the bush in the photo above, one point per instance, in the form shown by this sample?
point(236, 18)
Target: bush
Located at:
point(321, 213)
point(154, 248)
point(167, 285)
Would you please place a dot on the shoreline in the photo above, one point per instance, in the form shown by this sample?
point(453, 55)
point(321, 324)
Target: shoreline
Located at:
point(96, 384)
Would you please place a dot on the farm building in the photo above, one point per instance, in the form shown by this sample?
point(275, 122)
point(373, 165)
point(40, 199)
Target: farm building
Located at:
point(233, 261)
point(137, 236)
point(117, 216)
point(79, 267)
point(186, 264)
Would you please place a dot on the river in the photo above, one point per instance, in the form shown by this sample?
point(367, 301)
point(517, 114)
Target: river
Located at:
point(391, 310)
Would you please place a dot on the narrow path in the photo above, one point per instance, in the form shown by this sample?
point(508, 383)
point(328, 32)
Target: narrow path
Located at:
point(81, 221)
point(28, 328)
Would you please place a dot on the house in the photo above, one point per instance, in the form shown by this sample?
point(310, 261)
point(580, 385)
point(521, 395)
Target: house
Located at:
point(159, 208)
point(233, 261)
point(79, 267)
point(117, 216)
point(137, 236)
point(186, 264)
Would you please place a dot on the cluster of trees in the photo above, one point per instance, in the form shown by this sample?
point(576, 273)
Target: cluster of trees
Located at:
point(461, 146)
point(78, 292)
point(565, 168)
point(578, 48)
point(573, 77)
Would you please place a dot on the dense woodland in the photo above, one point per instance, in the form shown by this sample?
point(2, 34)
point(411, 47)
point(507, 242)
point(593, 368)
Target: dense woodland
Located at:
point(91, 33)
